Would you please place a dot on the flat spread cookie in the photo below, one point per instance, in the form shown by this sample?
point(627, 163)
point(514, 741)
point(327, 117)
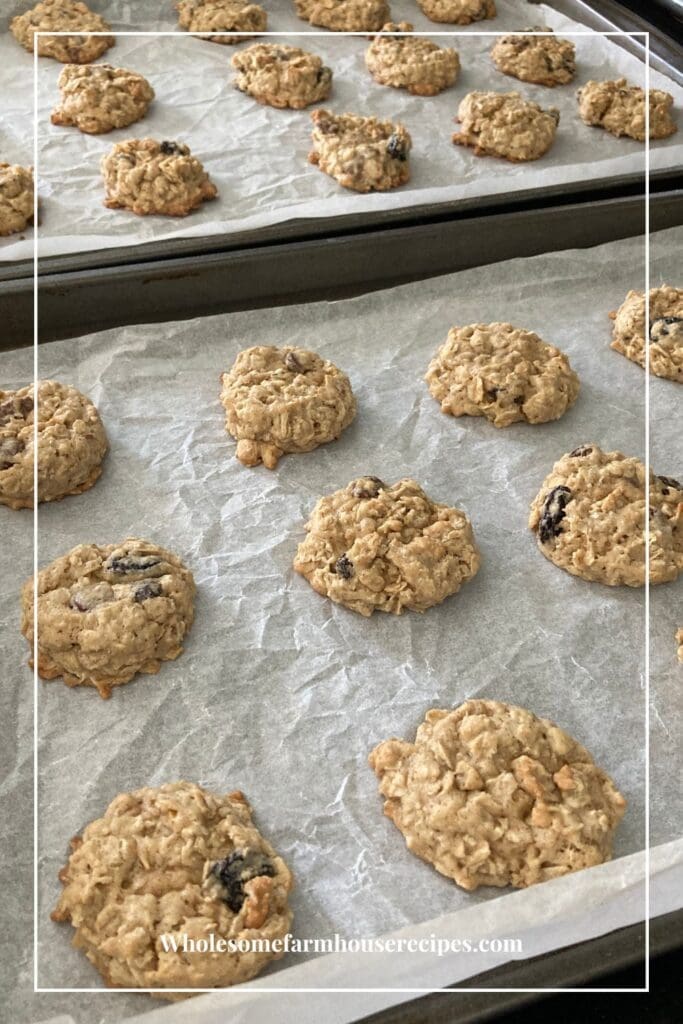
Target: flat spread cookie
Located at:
point(458, 12)
point(381, 547)
point(280, 400)
point(167, 863)
point(505, 125)
point(589, 519)
point(344, 15)
point(665, 333)
point(211, 16)
point(96, 98)
point(543, 60)
point(149, 177)
point(281, 75)
point(503, 373)
point(107, 613)
point(63, 16)
point(361, 153)
point(16, 198)
point(489, 794)
point(71, 443)
point(410, 62)
point(619, 108)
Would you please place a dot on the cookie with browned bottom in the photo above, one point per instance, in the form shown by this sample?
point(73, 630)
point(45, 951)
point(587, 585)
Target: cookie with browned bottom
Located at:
point(214, 20)
point(410, 62)
point(619, 108)
point(63, 16)
point(97, 98)
point(542, 59)
point(150, 177)
point(281, 76)
point(504, 124)
point(361, 153)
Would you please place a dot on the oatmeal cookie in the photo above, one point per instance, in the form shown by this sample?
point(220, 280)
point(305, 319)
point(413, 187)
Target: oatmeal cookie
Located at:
point(97, 98)
point(457, 12)
point(665, 334)
point(411, 62)
point(71, 443)
point(167, 862)
point(344, 15)
point(282, 76)
point(16, 198)
point(107, 613)
point(380, 547)
point(589, 519)
point(505, 125)
point(489, 794)
point(150, 177)
point(211, 16)
point(619, 108)
point(503, 373)
point(63, 16)
point(361, 153)
point(543, 60)
point(281, 400)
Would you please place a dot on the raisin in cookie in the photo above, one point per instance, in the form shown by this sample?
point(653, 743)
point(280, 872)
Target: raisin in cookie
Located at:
point(589, 519)
point(361, 153)
point(457, 12)
point(168, 862)
point(150, 177)
point(210, 16)
point(505, 125)
point(107, 613)
point(282, 76)
point(489, 794)
point(71, 443)
point(63, 16)
point(503, 373)
point(344, 15)
point(16, 198)
point(410, 62)
point(619, 108)
point(280, 400)
point(380, 547)
point(665, 333)
point(543, 60)
point(97, 98)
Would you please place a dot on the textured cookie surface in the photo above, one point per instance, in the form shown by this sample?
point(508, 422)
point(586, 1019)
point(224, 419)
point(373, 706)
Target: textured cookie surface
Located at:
point(211, 16)
point(361, 153)
point(665, 332)
point(97, 98)
point(544, 60)
point(107, 613)
point(344, 15)
point(279, 400)
point(411, 62)
point(458, 12)
point(589, 519)
point(619, 108)
point(71, 443)
point(150, 177)
point(281, 75)
point(503, 373)
point(378, 547)
point(16, 198)
point(505, 125)
point(168, 862)
point(489, 794)
point(63, 16)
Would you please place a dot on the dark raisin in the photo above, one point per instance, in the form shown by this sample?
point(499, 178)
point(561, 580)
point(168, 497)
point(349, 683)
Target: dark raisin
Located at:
point(492, 394)
point(292, 363)
point(669, 481)
point(660, 326)
point(240, 867)
point(368, 487)
point(578, 453)
point(146, 590)
point(170, 148)
point(344, 567)
point(140, 565)
point(324, 74)
point(87, 598)
point(12, 407)
point(26, 405)
point(553, 512)
point(9, 447)
point(396, 148)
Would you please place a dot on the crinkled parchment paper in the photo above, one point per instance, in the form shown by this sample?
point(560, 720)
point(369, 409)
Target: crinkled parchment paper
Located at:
point(257, 156)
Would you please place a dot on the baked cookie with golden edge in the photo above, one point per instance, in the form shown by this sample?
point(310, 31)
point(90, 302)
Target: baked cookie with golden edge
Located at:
point(97, 98)
point(344, 15)
point(503, 373)
point(665, 332)
point(505, 125)
point(211, 16)
point(63, 16)
point(386, 547)
point(489, 794)
point(16, 198)
point(457, 12)
point(589, 519)
point(71, 443)
point(410, 62)
point(167, 862)
point(281, 76)
point(107, 613)
point(619, 108)
point(150, 177)
point(361, 153)
point(284, 400)
point(541, 59)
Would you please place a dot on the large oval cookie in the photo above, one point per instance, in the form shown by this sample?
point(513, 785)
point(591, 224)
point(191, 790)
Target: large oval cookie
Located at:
point(281, 76)
point(344, 15)
point(409, 62)
point(504, 124)
point(542, 59)
point(63, 16)
point(216, 19)
point(97, 98)
point(361, 153)
point(619, 108)
point(150, 177)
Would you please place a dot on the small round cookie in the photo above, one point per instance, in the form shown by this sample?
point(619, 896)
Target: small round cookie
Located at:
point(107, 613)
point(543, 60)
point(457, 12)
point(63, 16)
point(71, 443)
point(619, 108)
point(665, 339)
point(503, 373)
point(97, 98)
point(211, 16)
point(505, 125)
point(281, 76)
point(344, 15)
point(380, 547)
point(150, 177)
point(589, 519)
point(361, 153)
point(489, 794)
point(16, 198)
point(284, 400)
point(168, 862)
point(410, 62)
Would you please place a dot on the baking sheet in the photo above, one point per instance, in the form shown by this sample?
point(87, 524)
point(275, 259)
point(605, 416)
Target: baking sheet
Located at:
point(257, 156)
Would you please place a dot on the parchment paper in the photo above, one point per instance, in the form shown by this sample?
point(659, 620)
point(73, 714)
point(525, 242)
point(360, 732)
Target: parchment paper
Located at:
point(257, 156)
